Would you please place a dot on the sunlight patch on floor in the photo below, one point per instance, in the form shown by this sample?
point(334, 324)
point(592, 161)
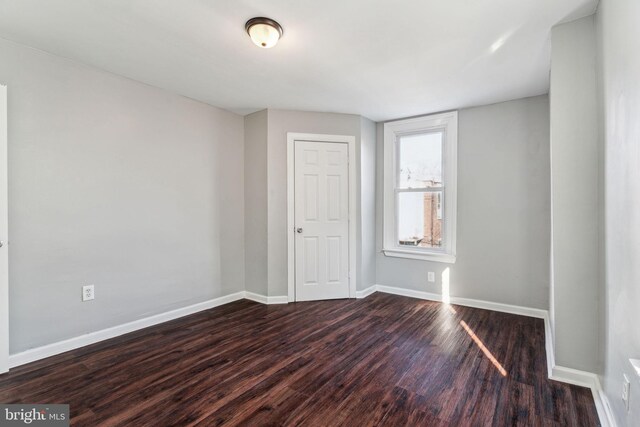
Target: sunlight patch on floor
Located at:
point(484, 349)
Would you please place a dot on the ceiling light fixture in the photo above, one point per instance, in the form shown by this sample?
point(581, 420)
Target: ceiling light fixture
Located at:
point(264, 32)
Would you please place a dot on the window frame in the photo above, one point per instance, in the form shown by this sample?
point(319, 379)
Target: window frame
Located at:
point(447, 123)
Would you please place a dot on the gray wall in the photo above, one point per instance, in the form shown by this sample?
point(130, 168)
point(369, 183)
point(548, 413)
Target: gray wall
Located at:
point(575, 214)
point(618, 25)
point(116, 184)
point(503, 210)
point(266, 193)
point(367, 230)
point(255, 201)
point(280, 123)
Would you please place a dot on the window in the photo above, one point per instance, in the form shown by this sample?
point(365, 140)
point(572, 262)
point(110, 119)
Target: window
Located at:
point(420, 187)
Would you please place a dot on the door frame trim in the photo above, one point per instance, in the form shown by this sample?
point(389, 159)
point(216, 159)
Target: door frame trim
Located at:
point(4, 199)
point(292, 137)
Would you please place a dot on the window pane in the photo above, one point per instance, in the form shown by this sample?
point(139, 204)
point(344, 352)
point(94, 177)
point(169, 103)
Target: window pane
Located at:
point(420, 160)
point(420, 218)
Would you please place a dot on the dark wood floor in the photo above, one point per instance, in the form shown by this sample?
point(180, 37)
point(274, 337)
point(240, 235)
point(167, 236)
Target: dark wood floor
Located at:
point(385, 360)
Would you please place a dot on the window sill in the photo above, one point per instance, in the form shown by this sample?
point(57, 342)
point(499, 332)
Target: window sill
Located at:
point(424, 256)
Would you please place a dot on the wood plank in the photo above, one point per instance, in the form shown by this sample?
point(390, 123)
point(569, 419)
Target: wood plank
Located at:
point(384, 360)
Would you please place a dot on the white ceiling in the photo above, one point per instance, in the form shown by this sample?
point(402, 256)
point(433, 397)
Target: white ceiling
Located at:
point(382, 59)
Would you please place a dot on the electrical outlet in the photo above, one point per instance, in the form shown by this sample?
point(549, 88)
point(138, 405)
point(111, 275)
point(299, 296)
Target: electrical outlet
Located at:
point(88, 293)
point(431, 276)
point(626, 385)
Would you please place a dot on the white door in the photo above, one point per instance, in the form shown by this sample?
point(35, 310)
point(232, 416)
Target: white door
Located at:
point(4, 227)
point(321, 220)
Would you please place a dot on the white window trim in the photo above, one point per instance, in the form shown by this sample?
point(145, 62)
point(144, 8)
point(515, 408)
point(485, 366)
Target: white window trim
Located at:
point(448, 123)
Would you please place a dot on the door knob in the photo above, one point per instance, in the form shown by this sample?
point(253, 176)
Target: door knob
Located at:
point(1, 243)
point(299, 230)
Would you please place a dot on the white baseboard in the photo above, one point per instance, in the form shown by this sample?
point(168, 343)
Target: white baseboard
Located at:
point(282, 299)
point(408, 293)
point(263, 299)
point(504, 308)
point(365, 292)
point(49, 350)
point(579, 378)
point(557, 373)
point(548, 346)
point(467, 302)
point(607, 419)
point(591, 381)
point(45, 351)
point(575, 377)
